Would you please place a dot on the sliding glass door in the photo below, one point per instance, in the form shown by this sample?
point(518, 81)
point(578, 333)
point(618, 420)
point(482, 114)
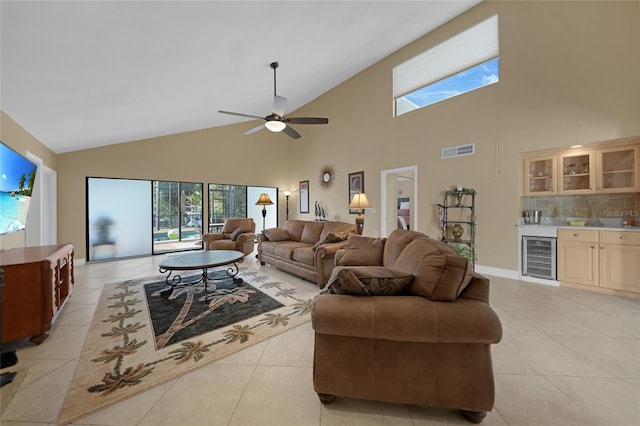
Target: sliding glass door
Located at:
point(177, 215)
point(127, 217)
point(227, 201)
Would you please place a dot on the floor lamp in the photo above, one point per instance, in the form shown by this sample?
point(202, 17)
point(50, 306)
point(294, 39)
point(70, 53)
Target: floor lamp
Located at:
point(264, 201)
point(287, 194)
point(360, 202)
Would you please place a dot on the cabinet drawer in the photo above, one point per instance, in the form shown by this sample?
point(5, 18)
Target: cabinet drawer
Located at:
point(583, 235)
point(616, 237)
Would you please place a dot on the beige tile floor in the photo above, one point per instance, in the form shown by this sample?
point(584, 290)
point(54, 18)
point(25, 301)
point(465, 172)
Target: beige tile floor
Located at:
point(568, 357)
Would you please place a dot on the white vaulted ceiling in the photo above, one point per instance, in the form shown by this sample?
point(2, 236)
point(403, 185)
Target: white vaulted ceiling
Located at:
point(80, 74)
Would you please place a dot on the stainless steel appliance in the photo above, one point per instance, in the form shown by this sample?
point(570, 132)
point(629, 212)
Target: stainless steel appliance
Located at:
point(539, 257)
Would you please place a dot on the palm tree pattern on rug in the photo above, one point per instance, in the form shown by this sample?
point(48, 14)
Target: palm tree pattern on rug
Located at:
point(125, 309)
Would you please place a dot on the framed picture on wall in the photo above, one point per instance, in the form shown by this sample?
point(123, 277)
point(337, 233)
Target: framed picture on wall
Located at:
point(356, 184)
point(304, 196)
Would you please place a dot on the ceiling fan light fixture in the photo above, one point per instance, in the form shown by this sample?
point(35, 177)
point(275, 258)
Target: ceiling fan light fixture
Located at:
point(275, 125)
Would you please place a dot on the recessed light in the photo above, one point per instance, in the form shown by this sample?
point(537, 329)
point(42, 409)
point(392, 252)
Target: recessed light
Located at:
point(576, 146)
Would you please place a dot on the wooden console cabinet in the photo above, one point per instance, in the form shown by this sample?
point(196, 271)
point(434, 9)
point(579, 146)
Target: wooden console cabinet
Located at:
point(37, 283)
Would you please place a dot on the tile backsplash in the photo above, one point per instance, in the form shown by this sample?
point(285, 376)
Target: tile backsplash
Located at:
point(608, 206)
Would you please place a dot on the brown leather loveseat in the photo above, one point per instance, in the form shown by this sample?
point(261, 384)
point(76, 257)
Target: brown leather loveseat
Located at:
point(304, 248)
point(422, 337)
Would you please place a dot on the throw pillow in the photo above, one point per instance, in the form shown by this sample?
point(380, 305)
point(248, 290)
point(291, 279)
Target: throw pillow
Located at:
point(275, 234)
point(441, 277)
point(390, 283)
point(332, 237)
point(361, 250)
point(235, 234)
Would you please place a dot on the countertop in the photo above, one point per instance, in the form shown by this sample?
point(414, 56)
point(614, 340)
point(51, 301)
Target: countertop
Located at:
point(563, 223)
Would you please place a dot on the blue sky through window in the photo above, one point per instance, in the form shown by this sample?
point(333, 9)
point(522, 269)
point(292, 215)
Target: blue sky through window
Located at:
point(470, 79)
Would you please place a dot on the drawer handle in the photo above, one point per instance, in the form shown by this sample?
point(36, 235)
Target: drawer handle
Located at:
point(575, 235)
point(623, 238)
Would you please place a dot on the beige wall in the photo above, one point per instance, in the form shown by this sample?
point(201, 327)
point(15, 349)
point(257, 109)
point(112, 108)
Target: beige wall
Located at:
point(568, 74)
point(219, 155)
point(16, 137)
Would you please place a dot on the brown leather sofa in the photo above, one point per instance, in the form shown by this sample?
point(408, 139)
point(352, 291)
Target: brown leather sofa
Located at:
point(426, 342)
point(237, 234)
point(304, 248)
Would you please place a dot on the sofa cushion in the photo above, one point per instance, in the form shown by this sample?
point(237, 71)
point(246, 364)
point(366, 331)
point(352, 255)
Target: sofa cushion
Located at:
point(441, 277)
point(225, 244)
point(396, 243)
point(337, 228)
point(361, 250)
point(367, 280)
point(284, 250)
point(304, 255)
point(276, 234)
point(235, 234)
point(294, 228)
point(311, 232)
point(412, 253)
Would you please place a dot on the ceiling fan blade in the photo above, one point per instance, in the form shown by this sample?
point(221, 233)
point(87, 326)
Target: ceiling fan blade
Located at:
point(279, 105)
point(255, 129)
point(291, 132)
point(241, 115)
point(306, 120)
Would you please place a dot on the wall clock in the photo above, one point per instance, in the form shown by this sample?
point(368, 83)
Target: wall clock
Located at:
point(327, 177)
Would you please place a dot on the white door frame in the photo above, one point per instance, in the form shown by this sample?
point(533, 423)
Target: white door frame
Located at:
point(384, 202)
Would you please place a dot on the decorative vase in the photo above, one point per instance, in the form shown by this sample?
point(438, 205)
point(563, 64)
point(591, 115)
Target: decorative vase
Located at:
point(457, 231)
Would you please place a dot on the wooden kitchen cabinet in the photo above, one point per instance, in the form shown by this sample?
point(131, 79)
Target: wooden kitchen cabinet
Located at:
point(578, 257)
point(576, 172)
point(607, 260)
point(37, 283)
point(618, 169)
point(539, 175)
point(620, 260)
point(602, 168)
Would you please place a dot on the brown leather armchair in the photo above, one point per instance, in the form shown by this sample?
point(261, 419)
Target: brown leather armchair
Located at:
point(237, 234)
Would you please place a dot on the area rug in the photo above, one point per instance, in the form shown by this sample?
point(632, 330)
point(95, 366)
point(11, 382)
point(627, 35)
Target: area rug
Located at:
point(139, 338)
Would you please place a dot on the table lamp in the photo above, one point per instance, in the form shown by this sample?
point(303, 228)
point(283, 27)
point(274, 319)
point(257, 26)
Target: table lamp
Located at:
point(360, 202)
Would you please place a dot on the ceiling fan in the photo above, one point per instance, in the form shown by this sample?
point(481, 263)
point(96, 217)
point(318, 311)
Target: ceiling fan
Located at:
point(276, 121)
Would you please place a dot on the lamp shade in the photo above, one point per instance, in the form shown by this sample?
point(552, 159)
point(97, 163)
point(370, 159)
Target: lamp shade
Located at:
point(359, 201)
point(264, 200)
point(275, 125)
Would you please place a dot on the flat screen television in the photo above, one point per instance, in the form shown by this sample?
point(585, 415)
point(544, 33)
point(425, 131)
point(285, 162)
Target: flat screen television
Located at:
point(17, 176)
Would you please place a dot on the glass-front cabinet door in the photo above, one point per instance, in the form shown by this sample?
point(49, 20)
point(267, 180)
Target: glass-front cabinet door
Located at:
point(618, 169)
point(539, 175)
point(576, 171)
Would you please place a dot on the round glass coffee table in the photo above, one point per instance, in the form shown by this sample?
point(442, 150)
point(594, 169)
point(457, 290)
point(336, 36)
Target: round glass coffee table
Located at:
point(204, 260)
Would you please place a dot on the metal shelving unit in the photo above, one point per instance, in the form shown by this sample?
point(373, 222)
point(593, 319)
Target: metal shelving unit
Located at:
point(459, 229)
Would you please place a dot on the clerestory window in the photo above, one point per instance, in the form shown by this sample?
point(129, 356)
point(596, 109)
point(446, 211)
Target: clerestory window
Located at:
point(465, 62)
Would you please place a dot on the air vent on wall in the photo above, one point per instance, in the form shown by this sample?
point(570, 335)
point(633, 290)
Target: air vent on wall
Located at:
point(458, 151)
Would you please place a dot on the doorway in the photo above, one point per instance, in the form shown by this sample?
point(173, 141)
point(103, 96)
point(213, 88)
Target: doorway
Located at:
point(399, 199)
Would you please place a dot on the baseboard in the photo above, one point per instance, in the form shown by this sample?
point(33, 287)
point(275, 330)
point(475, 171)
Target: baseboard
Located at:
point(511, 274)
point(497, 272)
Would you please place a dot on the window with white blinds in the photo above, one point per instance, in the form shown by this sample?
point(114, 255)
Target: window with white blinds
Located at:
point(462, 63)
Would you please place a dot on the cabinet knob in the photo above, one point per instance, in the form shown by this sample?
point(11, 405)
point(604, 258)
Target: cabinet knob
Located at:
point(623, 237)
point(593, 247)
point(575, 235)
